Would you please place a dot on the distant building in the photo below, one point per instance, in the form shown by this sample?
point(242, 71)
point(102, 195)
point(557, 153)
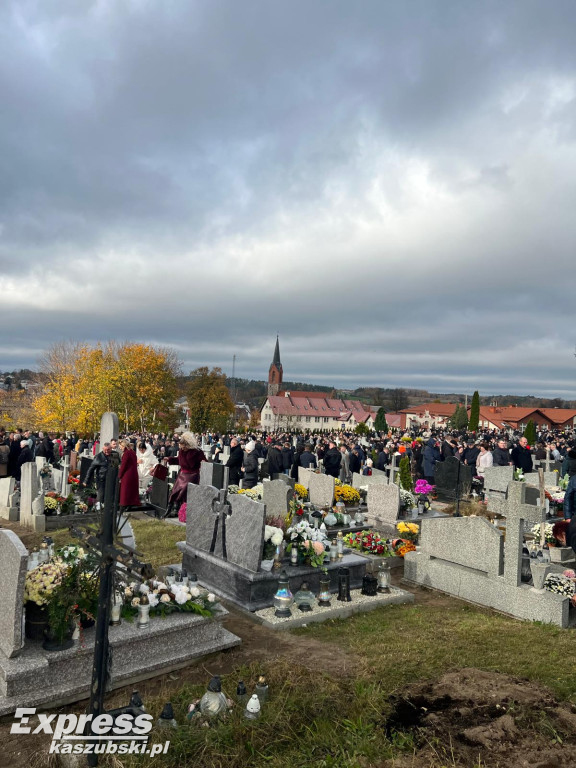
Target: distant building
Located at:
point(309, 410)
point(275, 372)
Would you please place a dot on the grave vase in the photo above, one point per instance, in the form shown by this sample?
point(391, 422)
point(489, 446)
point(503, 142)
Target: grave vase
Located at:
point(36, 621)
point(52, 642)
point(539, 572)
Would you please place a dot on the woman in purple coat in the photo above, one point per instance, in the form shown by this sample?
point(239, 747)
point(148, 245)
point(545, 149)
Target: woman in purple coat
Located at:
point(128, 476)
point(189, 457)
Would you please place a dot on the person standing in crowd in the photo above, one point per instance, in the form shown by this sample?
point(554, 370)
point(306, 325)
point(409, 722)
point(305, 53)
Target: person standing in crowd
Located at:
point(308, 459)
point(98, 471)
point(4, 454)
point(189, 458)
point(287, 457)
point(146, 461)
point(501, 454)
point(484, 458)
point(45, 448)
point(235, 461)
point(471, 453)
point(344, 474)
point(275, 465)
point(354, 462)
point(251, 465)
point(332, 460)
point(430, 456)
point(521, 456)
point(128, 476)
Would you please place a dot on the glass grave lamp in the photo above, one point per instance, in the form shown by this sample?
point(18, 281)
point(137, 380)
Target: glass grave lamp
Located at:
point(369, 581)
point(384, 577)
point(252, 711)
point(261, 689)
point(344, 585)
point(166, 719)
point(283, 598)
point(304, 599)
point(214, 702)
point(324, 597)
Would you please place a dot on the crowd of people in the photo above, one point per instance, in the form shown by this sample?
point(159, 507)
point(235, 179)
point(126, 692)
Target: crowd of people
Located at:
point(339, 454)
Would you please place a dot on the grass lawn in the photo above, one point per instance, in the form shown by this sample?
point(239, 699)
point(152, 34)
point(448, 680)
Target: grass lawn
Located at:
point(330, 720)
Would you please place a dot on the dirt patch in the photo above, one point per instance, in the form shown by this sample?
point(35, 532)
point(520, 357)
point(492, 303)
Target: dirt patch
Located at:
point(474, 717)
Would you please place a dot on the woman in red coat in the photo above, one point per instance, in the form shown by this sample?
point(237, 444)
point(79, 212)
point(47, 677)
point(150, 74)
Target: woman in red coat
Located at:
point(189, 457)
point(128, 475)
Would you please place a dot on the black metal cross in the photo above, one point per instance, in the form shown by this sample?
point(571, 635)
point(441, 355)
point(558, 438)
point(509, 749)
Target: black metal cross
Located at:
point(111, 554)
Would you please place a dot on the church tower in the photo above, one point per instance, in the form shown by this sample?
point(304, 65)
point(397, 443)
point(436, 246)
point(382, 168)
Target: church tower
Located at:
point(275, 372)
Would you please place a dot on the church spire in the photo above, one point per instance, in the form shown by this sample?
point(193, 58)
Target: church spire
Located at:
point(275, 372)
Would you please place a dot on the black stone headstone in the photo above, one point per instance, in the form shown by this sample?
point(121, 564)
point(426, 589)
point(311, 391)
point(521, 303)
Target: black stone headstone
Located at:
point(85, 462)
point(159, 494)
point(532, 495)
point(452, 479)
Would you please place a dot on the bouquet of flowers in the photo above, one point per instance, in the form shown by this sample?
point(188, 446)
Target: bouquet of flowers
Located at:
point(409, 531)
point(273, 537)
point(368, 541)
point(164, 599)
point(559, 584)
point(41, 582)
point(407, 499)
point(402, 546)
point(347, 494)
point(423, 487)
point(255, 493)
point(81, 507)
point(535, 531)
point(310, 542)
point(300, 491)
point(51, 503)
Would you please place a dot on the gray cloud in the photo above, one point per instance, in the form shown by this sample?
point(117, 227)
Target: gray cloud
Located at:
point(388, 186)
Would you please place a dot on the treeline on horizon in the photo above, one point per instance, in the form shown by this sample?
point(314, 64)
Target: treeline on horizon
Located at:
point(253, 392)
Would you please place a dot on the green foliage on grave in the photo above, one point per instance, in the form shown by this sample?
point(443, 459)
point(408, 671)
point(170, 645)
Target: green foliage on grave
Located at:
point(405, 475)
point(474, 412)
point(380, 423)
point(530, 433)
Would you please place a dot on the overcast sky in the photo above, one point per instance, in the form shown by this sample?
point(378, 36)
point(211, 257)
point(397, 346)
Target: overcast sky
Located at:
point(390, 186)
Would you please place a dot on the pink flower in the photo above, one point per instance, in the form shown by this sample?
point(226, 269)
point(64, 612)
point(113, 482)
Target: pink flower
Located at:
point(182, 513)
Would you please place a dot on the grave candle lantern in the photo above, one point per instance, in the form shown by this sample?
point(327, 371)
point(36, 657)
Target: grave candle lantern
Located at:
point(283, 598)
point(384, 577)
point(143, 613)
point(344, 585)
point(304, 599)
point(324, 597)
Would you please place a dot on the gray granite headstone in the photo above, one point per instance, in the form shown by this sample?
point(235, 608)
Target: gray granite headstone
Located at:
point(29, 488)
point(469, 541)
point(384, 504)
point(358, 481)
point(276, 497)
point(497, 478)
point(13, 566)
point(201, 517)
point(321, 490)
point(109, 428)
point(212, 474)
point(517, 513)
point(289, 481)
point(304, 476)
point(6, 490)
point(245, 532)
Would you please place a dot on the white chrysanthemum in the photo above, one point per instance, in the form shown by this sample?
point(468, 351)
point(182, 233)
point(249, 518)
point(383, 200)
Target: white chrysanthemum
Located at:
point(181, 597)
point(144, 588)
point(195, 592)
point(211, 597)
point(153, 600)
point(277, 538)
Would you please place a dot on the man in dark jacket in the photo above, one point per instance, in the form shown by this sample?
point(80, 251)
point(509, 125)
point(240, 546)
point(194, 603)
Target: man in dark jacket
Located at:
point(275, 465)
point(332, 459)
point(99, 470)
point(471, 454)
point(307, 458)
point(501, 454)
point(430, 456)
point(287, 457)
point(521, 456)
point(45, 448)
point(234, 462)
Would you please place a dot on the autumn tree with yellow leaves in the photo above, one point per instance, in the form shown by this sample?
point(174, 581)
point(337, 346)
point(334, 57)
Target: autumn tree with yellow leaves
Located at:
point(81, 382)
point(209, 401)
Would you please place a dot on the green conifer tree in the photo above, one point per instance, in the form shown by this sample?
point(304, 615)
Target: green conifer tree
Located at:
point(380, 424)
point(405, 478)
point(474, 413)
point(530, 433)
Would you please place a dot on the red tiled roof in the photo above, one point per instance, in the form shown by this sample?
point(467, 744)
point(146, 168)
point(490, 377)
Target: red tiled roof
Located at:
point(434, 409)
point(317, 406)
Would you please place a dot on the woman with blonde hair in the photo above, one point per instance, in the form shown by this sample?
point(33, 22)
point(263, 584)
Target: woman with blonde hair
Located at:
point(189, 458)
point(128, 476)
